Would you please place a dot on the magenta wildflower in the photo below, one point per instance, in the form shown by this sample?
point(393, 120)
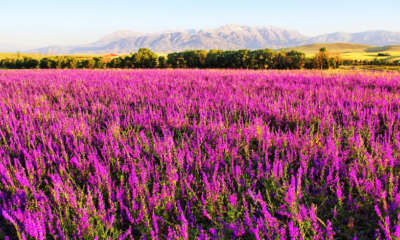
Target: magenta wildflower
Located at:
point(230, 153)
point(232, 200)
point(334, 213)
point(329, 230)
point(293, 231)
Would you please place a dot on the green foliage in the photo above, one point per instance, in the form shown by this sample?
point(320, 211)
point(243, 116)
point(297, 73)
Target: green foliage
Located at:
point(30, 63)
point(323, 49)
point(24, 63)
point(295, 59)
point(19, 64)
point(325, 60)
point(228, 59)
point(243, 59)
point(9, 63)
point(66, 62)
point(215, 58)
point(88, 64)
point(116, 63)
point(262, 59)
point(98, 63)
point(128, 62)
point(176, 60)
point(47, 63)
point(162, 62)
point(279, 61)
point(195, 58)
point(144, 58)
point(71, 63)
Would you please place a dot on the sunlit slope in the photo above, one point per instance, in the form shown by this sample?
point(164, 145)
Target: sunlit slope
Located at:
point(335, 47)
point(351, 50)
point(390, 48)
point(40, 56)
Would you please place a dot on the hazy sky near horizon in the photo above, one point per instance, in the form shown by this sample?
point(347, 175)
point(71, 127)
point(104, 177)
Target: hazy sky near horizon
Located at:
point(49, 22)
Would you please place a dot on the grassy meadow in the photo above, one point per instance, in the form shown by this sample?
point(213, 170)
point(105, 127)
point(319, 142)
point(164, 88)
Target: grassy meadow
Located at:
point(371, 67)
point(4, 55)
point(40, 56)
point(352, 51)
point(349, 51)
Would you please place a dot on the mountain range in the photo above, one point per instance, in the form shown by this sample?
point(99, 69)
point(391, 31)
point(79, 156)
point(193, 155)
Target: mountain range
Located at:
point(228, 37)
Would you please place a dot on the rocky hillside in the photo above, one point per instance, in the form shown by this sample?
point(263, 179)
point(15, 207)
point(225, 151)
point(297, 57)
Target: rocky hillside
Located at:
point(226, 37)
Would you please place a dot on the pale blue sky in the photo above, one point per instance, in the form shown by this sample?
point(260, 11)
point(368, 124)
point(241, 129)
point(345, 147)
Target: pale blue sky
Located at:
point(52, 22)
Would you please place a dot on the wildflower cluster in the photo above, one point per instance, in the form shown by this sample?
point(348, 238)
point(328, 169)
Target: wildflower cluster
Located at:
point(189, 154)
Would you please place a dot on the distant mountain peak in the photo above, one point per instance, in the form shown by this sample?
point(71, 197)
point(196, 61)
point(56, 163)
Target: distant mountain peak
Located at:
point(231, 27)
point(231, 36)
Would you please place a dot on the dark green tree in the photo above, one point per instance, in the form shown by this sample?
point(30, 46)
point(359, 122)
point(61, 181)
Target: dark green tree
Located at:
point(332, 62)
point(323, 49)
point(325, 59)
point(116, 63)
point(176, 60)
point(144, 58)
point(30, 63)
point(280, 61)
point(88, 64)
point(229, 59)
point(195, 58)
point(262, 59)
point(295, 59)
point(214, 59)
point(59, 62)
point(10, 63)
point(98, 63)
point(243, 59)
point(46, 63)
point(19, 64)
point(162, 62)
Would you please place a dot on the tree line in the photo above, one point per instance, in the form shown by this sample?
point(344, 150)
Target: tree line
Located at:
point(375, 61)
point(145, 58)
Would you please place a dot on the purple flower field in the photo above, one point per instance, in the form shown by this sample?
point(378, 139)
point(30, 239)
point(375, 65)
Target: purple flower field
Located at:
point(199, 154)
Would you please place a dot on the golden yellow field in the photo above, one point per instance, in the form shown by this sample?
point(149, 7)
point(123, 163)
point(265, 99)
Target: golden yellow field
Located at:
point(162, 54)
point(352, 51)
point(349, 51)
point(40, 56)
